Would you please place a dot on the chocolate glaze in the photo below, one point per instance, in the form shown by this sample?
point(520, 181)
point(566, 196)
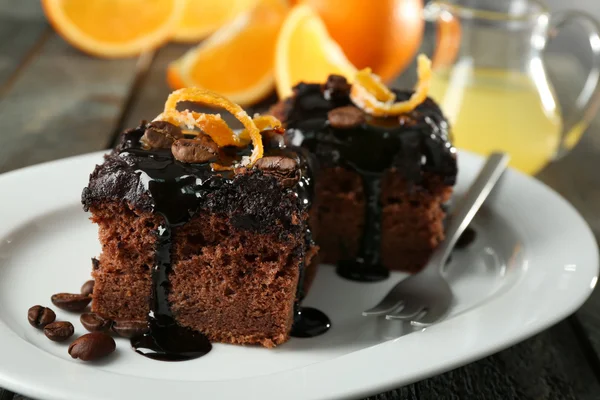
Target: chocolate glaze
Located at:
point(152, 180)
point(413, 144)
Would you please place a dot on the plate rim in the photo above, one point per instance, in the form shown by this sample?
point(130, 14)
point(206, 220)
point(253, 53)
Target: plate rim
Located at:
point(20, 376)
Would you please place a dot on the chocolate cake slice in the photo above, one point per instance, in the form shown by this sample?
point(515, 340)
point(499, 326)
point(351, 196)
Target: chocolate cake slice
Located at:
point(382, 181)
point(201, 251)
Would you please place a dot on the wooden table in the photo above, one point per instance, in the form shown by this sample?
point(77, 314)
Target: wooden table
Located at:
point(56, 102)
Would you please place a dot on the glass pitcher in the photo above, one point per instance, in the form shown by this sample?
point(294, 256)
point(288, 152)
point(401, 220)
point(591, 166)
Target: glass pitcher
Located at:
point(491, 83)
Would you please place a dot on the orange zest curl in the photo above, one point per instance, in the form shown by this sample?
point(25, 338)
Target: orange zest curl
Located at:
point(218, 130)
point(371, 95)
point(263, 123)
point(213, 125)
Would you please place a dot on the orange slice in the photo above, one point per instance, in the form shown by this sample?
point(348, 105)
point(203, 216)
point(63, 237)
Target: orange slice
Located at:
point(203, 17)
point(114, 28)
point(306, 53)
point(237, 61)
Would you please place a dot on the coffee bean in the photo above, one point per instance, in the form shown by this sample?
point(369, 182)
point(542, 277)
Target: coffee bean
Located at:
point(94, 322)
point(336, 88)
point(92, 346)
point(285, 169)
point(87, 288)
point(161, 135)
point(59, 331)
point(71, 301)
point(130, 329)
point(272, 138)
point(39, 316)
point(198, 150)
point(345, 117)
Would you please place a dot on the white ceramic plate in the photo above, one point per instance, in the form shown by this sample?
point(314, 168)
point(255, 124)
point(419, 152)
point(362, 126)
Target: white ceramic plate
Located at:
point(533, 263)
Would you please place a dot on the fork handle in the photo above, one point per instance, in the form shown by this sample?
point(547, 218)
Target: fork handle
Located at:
point(471, 202)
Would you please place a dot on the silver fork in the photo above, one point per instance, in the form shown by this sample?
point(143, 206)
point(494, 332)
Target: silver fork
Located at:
point(426, 297)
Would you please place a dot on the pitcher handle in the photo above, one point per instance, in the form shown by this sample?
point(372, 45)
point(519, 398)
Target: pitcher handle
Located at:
point(448, 35)
point(588, 100)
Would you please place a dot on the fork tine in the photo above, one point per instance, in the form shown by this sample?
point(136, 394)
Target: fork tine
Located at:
point(389, 303)
point(385, 306)
point(409, 311)
point(432, 316)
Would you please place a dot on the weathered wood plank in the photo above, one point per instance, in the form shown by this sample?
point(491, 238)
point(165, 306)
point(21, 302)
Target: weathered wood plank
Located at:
point(21, 9)
point(65, 103)
point(20, 34)
point(150, 99)
point(403, 393)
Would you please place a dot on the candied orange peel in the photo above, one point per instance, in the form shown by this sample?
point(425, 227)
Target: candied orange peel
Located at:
point(212, 124)
point(373, 97)
point(263, 123)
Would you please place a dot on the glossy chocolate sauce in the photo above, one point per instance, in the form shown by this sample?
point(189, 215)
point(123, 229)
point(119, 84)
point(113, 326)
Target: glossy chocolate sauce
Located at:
point(414, 144)
point(175, 188)
point(309, 322)
point(176, 191)
point(467, 237)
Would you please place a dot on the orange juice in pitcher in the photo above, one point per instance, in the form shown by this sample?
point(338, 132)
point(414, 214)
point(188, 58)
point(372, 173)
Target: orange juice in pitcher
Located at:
point(490, 81)
point(492, 109)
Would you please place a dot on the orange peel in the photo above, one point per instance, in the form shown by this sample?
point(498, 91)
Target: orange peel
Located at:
point(211, 124)
point(263, 123)
point(369, 93)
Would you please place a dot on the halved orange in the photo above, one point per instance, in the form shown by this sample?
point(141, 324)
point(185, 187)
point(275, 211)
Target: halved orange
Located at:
point(203, 17)
point(237, 60)
point(306, 53)
point(114, 28)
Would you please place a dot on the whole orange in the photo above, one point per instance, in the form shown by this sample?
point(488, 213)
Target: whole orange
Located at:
point(381, 34)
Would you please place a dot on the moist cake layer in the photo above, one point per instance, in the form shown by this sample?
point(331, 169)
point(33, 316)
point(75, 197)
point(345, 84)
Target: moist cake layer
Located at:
point(382, 181)
point(223, 253)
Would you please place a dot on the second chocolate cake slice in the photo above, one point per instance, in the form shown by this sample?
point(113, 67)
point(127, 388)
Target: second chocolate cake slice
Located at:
point(385, 174)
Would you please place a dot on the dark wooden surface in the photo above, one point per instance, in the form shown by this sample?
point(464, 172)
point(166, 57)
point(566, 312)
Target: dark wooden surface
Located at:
point(56, 102)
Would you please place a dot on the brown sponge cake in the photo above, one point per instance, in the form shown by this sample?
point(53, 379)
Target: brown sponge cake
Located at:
point(382, 181)
point(234, 246)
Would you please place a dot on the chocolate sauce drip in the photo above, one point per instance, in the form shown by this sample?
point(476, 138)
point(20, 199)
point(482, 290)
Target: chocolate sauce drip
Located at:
point(153, 180)
point(412, 144)
point(367, 266)
point(175, 192)
point(309, 322)
point(467, 237)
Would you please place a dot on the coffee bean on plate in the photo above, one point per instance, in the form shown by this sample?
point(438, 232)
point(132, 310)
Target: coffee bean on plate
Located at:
point(198, 150)
point(87, 288)
point(94, 322)
point(161, 135)
point(92, 346)
point(283, 168)
point(130, 329)
point(71, 301)
point(59, 331)
point(345, 117)
point(39, 316)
